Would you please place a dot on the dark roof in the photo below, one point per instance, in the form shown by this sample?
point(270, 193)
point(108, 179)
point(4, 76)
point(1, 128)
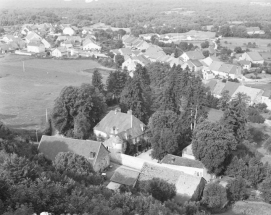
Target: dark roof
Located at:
point(125, 176)
point(244, 62)
point(266, 55)
point(180, 161)
point(50, 146)
point(231, 87)
point(195, 55)
point(123, 122)
point(211, 85)
point(197, 63)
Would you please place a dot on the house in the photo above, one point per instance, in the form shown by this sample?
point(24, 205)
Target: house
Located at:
point(207, 75)
point(188, 187)
point(8, 38)
point(218, 89)
point(131, 62)
point(70, 30)
point(95, 152)
point(60, 52)
point(126, 52)
point(148, 36)
point(188, 166)
point(230, 87)
point(141, 45)
point(245, 64)
point(254, 94)
point(32, 36)
point(153, 53)
point(192, 55)
point(46, 44)
point(253, 57)
point(123, 176)
point(35, 47)
point(266, 56)
point(230, 71)
point(88, 44)
point(209, 60)
point(254, 30)
point(193, 65)
point(67, 44)
point(174, 61)
point(266, 98)
point(124, 125)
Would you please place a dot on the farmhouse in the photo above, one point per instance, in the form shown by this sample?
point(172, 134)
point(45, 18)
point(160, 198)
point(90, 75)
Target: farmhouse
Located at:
point(254, 94)
point(32, 36)
point(124, 125)
point(188, 187)
point(193, 65)
point(266, 56)
point(88, 44)
point(94, 151)
point(35, 47)
point(188, 166)
point(153, 53)
point(254, 30)
point(131, 63)
point(245, 64)
point(253, 57)
point(60, 52)
point(192, 55)
point(68, 30)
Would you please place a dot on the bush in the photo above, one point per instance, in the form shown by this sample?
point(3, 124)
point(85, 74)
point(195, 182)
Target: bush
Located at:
point(265, 188)
point(267, 145)
point(4, 131)
point(237, 190)
point(254, 116)
point(159, 189)
point(214, 196)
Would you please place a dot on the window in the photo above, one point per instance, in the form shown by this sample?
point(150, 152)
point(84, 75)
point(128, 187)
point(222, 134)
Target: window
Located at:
point(92, 154)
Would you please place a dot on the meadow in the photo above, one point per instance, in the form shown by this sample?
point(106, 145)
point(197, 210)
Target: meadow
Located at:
point(25, 95)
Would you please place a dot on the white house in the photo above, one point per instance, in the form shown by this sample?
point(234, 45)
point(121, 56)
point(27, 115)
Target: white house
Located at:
point(245, 64)
point(253, 57)
point(46, 44)
point(35, 47)
point(69, 31)
point(192, 55)
point(32, 36)
point(90, 45)
point(254, 94)
point(207, 75)
point(131, 63)
point(8, 38)
point(266, 98)
point(60, 52)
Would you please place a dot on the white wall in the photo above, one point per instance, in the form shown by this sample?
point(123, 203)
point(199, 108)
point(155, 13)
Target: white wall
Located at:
point(267, 101)
point(100, 133)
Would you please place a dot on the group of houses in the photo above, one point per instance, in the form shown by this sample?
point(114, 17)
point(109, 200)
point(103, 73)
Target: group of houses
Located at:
point(115, 130)
point(46, 39)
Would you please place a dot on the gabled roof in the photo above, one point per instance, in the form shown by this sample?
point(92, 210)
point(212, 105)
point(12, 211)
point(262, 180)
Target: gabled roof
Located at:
point(32, 35)
point(230, 69)
point(267, 93)
point(231, 87)
point(209, 60)
point(88, 41)
point(142, 59)
point(123, 122)
point(195, 55)
point(125, 176)
point(266, 55)
point(115, 51)
point(244, 62)
point(180, 161)
point(215, 65)
point(255, 56)
point(253, 93)
point(188, 150)
point(35, 43)
point(196, 63)
point(218, 88)
point(211, 84)
point(154, 52)
point(50, 146)
point(125, 51)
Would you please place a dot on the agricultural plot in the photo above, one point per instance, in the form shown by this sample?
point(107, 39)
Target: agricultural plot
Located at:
point(25, 94)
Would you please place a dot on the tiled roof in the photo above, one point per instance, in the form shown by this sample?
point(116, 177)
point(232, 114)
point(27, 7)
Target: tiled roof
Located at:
point(244, 62)
point(215, 65)
point(267, 93)
point(50, 146)
point(196, 63)
point(218, 88)
point(125, 51)
point(211, 84)
point(122, 122)
point(88, 41)
point(230, 68)
point(195, 55)
point(188, 150)
point(255, 56)
point(62, 49)
point(35, 43)
point(125, 176)
point(266, 55)
point(231, 87)
point(155, 52)
point(143, 59)
point(180, 161)
point(253, 93)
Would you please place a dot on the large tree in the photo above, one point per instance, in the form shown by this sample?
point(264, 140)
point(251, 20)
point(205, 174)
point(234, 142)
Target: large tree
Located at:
point(214, 196)
point(212, 144)
point(119, 59)
point(235, 117)
point(97, 80)
point(115, 84)
point(77, 110)
point(132, 98)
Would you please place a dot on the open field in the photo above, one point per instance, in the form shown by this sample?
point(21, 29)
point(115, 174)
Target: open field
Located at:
point(233, 42)
point(249, 208)
point(25, 96)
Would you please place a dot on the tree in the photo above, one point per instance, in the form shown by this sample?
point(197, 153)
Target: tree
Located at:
point(224, 100)
point(225, 31)
point(119, 59)
point(165, 135)
point(97, 80)
point(204, 44)
point(214, 196)
point(206, 53)
point(265, 188)
point(212, 144)
point(159, 189)
point(238, 50)
point(4, 131)
point(237, 189)
point(235, 117)
point(77, 110)
point(132, 98)
point(254, 116)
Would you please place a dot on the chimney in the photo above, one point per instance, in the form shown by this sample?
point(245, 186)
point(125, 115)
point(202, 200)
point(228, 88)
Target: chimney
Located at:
point(126, 135)
point(117, 110)
point(113, 130)
point(129, 112)
point(142, 126)
point(116, 130)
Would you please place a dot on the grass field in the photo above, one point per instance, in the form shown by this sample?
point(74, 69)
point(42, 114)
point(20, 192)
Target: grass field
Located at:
point(25, 96)
point(233, 42)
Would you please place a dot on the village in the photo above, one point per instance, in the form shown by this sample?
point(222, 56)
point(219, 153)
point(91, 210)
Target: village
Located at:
point(241, 73)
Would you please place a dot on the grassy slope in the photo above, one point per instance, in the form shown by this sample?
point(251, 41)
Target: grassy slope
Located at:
point(26, 95)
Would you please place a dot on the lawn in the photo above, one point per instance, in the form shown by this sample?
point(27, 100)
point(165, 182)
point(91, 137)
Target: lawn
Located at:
point(233, 42)
point(25, 96)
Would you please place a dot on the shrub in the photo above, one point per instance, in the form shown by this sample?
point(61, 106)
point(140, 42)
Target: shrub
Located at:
point(267, 145)
point(254, 116)
point(237, 189)
point(4, 131)
point(214, 196)
point(265, 188)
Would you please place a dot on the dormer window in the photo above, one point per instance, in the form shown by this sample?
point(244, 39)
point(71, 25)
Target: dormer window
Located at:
point(92, 155)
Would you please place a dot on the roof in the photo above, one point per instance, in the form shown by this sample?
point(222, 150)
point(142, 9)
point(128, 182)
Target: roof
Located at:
point(266, 55)
point(88, 41)
point(230, 68)
point(188, 150)
point(195, 55)
point(61, 49)
point(113, 140)
point(154, 52)
point(125, 51)
point(123, 122)
point(50, 146)
point(267, 93)
point(253, 93)
point(32, 35)
point(255, 56)
point(231, 87)
point(211, 84)
point(218, 88)
point(215, 65)
point(244, 62)
point(180, 161)
point(253, 29)
point(196, 63)
point(209, 60)
point(125, 176)
point(143, 59)
point(35, 43)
